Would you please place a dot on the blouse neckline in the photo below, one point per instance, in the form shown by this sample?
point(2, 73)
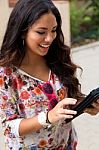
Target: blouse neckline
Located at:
point(27, 74)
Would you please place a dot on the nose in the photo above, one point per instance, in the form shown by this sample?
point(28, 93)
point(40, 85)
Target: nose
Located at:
point(49, 38)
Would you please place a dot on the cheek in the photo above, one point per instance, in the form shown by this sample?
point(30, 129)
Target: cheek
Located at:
point(32, 39)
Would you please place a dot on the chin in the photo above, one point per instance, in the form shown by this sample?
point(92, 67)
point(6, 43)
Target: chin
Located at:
point(43, 53)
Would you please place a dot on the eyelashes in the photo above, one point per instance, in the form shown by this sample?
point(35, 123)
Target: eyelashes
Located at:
point(42, 32)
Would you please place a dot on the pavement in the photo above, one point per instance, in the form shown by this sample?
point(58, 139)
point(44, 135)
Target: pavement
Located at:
point(87, 126)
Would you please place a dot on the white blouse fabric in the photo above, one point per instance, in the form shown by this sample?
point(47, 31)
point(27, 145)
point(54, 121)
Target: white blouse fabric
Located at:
point(21, 97)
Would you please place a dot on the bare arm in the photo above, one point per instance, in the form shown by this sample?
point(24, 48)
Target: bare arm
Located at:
point(29, 125)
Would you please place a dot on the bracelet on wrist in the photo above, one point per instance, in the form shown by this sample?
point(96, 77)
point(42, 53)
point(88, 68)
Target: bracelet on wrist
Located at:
point(47, 118)
point(43, 119)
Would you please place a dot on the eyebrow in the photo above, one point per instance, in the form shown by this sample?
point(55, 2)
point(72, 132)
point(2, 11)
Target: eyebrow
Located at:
point(46, 28)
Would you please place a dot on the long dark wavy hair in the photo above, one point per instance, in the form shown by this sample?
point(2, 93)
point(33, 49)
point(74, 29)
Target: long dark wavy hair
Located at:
point(58, 58)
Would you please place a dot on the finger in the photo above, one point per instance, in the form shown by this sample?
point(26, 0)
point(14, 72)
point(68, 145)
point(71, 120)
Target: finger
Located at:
point(97, 100)
point(67, 101)
point(91, 111)
point(68, 111)
point(95, 105)
point(66, 116)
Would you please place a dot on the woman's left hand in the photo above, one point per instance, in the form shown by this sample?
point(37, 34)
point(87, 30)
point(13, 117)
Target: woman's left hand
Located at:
point(94, 109)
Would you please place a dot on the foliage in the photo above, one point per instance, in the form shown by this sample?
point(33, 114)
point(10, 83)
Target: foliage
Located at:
point(84, 22)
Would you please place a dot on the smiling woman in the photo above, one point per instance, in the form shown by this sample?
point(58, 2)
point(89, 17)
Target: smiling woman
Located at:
point(38, 82)
point(64, 8)
point(41, 34)
point(34, 56)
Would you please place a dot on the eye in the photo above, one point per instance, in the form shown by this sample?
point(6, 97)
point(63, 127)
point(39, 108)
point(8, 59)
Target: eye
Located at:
point(40, 32)
point(54, 29)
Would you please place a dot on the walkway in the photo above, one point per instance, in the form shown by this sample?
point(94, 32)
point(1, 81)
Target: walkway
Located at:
point(88, 126)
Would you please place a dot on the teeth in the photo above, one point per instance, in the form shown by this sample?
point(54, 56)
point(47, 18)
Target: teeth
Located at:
point(45, 46)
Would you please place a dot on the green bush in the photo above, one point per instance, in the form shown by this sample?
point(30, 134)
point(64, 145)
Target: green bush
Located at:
point(84, 22)
point(76, 18)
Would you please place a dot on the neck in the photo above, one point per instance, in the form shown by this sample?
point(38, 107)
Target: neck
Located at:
point(35, 66)
point(33, 60)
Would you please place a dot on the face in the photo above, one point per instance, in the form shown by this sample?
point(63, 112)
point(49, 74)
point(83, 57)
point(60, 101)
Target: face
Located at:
point(41, 35)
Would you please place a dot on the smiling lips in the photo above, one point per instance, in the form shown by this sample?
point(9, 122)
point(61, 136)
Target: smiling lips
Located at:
point(44, 46)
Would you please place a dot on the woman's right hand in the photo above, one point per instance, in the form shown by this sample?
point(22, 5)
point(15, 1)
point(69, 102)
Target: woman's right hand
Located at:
point(61, 111)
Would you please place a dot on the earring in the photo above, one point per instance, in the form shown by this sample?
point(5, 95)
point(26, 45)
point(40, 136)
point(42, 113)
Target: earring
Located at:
point(23, 42)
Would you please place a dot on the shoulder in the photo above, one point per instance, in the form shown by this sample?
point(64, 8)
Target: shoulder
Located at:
point(7, 71)
point(6, 75)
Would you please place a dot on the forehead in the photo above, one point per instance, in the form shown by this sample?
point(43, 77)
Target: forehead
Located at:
point(46, 20)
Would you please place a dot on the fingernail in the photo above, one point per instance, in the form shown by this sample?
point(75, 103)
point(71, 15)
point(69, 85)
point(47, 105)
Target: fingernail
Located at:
point(71, 116)
point(75, 112)
point(74, 102)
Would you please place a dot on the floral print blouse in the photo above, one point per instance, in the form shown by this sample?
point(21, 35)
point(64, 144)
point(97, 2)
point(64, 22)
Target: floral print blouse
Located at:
point(21, 97)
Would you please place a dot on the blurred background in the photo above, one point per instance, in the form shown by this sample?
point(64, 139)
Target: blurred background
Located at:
point(84, 15)
point(80, 27)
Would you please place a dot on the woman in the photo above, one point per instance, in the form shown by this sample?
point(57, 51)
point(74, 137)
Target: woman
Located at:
point(38, 85)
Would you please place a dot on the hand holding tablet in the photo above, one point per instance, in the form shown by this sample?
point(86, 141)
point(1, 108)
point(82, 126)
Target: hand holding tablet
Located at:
point(88, 100)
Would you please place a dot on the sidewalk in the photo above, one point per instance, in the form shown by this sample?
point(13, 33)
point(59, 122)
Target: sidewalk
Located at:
point(87, 126)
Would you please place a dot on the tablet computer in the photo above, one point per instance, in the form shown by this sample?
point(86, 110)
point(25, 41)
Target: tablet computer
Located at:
point(88, 100)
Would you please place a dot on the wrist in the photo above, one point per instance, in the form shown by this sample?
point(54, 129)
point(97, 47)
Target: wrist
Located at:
point(47, 118)
point(51, 117)
point(43, 119)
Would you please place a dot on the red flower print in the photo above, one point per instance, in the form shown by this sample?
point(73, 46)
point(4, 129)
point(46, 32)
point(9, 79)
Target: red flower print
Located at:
point(14, 116)
point(19, 82)
point(25, 95)
point(37, 90)
point(1, 81)
point(3, 106)
point(22, 107)
point(7, 131)
point(5, 97)
point(14, 84)
point(46, 102)
point(8, 71)
point(42, 143)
